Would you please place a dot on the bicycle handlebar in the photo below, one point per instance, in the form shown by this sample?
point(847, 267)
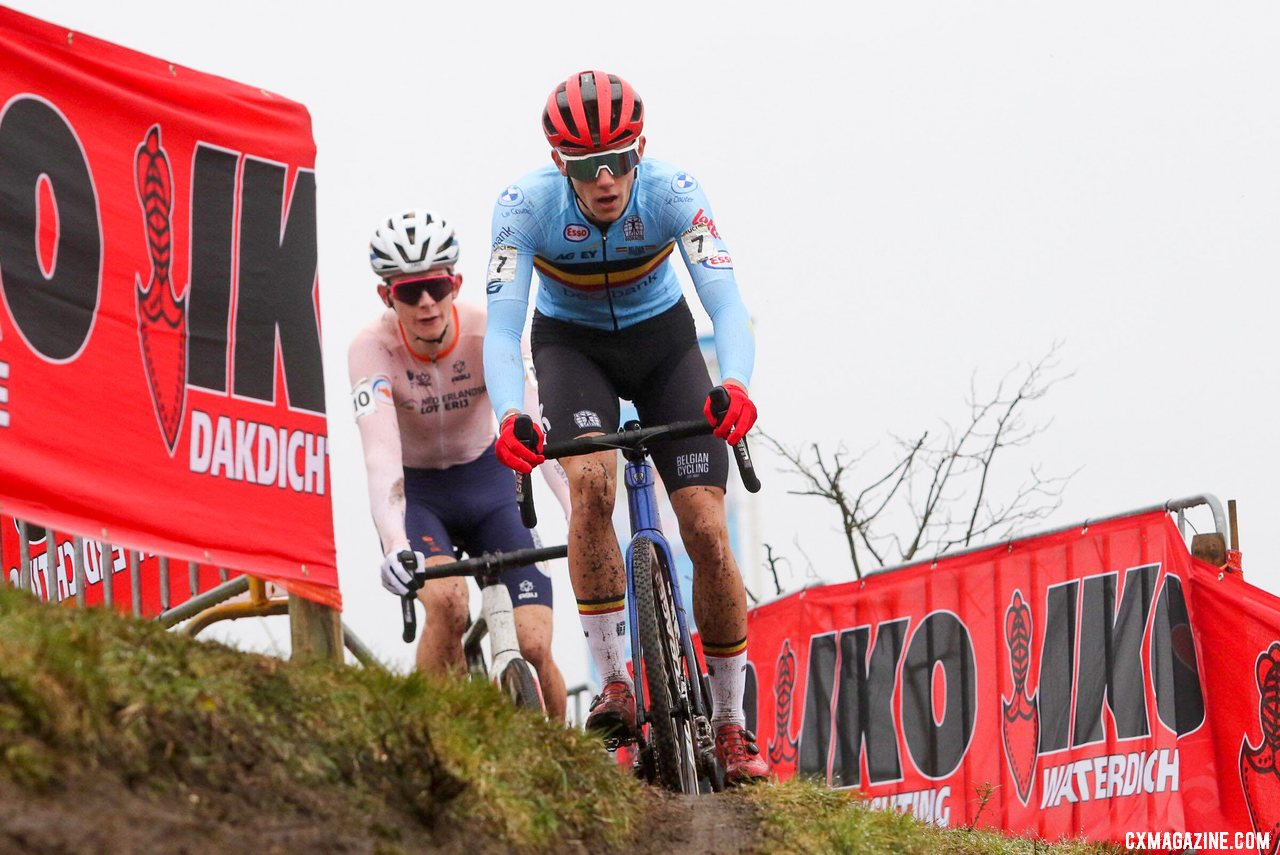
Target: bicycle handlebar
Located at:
point(488, 562)
point(628, 440)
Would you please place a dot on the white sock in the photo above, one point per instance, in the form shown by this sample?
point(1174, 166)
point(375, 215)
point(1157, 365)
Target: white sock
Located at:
point(605, 626)
point(728, 678)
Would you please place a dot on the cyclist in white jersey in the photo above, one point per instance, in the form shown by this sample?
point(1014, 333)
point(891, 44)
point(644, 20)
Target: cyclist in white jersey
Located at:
point(428, 431)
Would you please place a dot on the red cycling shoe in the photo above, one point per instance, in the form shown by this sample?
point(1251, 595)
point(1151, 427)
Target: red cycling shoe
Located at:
point(613, 711)
point(738, 753)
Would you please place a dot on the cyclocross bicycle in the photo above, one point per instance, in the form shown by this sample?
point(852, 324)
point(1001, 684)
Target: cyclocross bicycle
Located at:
point(676, 747)
point(508, 670)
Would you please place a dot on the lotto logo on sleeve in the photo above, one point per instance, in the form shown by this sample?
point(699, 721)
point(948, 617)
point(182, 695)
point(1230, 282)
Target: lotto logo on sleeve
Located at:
point(701, 219)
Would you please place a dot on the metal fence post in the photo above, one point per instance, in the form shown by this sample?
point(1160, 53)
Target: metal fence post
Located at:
point(164, 583)
point(24, 557)
point(78, 562)
point(108, 571)
point(135, 582)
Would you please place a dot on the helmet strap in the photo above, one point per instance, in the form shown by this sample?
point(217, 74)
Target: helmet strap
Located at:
point(437, 341)
point(582, 206)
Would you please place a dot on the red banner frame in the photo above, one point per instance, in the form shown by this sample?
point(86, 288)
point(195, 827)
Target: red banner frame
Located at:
point(160, 370)
point(1089, 683)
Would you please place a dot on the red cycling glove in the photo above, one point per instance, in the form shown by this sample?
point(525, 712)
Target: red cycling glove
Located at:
point(513, 453)
point(737, 420)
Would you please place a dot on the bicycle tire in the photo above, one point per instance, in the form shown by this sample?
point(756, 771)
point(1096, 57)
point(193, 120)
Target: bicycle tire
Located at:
point(671, 741)
point(521, 686)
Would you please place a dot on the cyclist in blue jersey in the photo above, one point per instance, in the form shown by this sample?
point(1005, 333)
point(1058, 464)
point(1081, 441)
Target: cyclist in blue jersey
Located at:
point(599, 225)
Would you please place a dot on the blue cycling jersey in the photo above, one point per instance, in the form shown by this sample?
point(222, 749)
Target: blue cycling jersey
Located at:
point(606, 278)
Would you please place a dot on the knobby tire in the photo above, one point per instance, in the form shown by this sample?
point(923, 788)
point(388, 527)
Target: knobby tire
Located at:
point(670, 737)
point(519, 684)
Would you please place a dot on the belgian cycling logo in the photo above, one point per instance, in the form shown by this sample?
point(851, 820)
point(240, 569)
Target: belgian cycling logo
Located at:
point(633, 228)
point(1259, 773)
point(683, 182)
point(162, 314)
point(782, 748)
point(1020, 725)
point(511, 196)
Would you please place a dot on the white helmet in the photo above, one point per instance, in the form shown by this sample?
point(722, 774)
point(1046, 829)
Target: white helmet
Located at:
point(411, 243)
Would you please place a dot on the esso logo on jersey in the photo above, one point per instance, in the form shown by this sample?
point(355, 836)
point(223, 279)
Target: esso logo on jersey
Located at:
point(576, 232)
point(719, 261)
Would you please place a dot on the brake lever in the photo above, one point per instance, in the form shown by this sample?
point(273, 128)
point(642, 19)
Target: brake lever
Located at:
point(741, 453)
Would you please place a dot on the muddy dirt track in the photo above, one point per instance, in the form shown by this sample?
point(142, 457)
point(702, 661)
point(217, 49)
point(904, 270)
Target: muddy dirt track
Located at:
point(96, 812)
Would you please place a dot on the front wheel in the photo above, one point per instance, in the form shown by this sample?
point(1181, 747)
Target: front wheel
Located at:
point(668, 715)
point(519, 683)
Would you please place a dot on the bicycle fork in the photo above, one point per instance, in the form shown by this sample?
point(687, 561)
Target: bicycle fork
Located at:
point(501, 624)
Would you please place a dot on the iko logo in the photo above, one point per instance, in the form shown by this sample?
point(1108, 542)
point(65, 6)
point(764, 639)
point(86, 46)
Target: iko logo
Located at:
point(511, 196)
point(576, 232)
point(782, 748)
point(1149, 653)
point(1258, 772)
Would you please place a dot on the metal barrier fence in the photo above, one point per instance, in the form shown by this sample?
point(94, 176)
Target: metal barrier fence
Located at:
point(199, 609)
point(576, 695)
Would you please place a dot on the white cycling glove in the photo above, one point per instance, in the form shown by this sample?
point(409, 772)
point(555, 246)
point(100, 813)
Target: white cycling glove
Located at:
point(397, 574)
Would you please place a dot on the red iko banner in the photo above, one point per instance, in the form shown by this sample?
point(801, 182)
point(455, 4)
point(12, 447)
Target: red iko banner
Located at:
point(160, 370)
point(1098, 683)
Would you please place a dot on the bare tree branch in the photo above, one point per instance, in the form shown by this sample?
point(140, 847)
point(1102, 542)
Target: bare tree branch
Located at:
point(942, 485)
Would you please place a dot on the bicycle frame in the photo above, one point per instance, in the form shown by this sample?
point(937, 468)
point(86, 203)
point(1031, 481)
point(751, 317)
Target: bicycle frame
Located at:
point(646, 523)
point(496, 610)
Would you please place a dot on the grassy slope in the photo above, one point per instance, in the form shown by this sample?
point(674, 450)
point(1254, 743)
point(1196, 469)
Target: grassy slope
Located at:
point(89, 690)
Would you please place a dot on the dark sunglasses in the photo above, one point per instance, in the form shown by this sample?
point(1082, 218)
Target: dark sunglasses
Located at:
point(437, 285)
point(587, 167)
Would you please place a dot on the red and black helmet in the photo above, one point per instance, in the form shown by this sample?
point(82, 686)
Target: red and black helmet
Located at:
point(592, 111)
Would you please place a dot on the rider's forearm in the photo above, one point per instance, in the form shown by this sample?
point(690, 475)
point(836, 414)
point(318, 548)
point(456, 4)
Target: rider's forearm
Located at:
point(386, 501)
point(735, 341)
point(503, 365)
point(380, 437)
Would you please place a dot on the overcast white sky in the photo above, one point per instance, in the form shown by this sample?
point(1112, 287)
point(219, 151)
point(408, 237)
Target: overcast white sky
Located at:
point(911, 192)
